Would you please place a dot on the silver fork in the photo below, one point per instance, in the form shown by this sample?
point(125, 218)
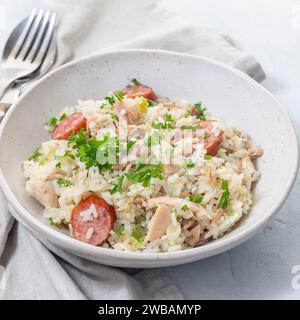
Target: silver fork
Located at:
point(26, 48)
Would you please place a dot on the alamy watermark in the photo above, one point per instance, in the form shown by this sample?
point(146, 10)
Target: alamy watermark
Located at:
point(296, 278)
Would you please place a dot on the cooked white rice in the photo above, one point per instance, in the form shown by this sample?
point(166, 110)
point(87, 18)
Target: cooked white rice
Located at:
point(233, 163)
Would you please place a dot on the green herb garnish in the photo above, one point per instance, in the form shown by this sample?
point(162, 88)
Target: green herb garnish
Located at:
point(185, 208)
point(79, 138)
point(151, 103)
point(120, 95)
point(224, 199)
point(68, 154)
point(117, 185)
point(207, 157)
point(114, 117)
point(197, 198)
point(36, 153)
point(153, 139)
point(189, 164)
point(94, 152)
point(130, 144)
point(52, 122)
point(140, 219)
point(64, 182)
point(200, 110)
point(110, 99)
point(119, 230)
point(143, 174)
point(133, 82)
point(167, 124)
point(62, 117)
point(58, 165)
point(191, 127)
point(52, 223)
point(178, 216)
point(137, 235)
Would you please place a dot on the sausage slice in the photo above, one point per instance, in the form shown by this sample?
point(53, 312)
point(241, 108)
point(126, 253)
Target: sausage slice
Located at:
point(211, 142)
point(69, 125)
point(140, 91)
point(92, 220)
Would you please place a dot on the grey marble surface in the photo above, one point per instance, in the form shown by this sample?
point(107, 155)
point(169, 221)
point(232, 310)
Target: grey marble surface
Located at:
point(262, 267)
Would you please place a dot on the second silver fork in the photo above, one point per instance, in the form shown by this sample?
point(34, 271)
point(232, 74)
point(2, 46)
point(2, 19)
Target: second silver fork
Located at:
point(26, 48)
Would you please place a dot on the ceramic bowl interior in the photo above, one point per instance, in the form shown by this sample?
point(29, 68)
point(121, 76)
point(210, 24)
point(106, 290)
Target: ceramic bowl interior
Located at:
point(224, 91)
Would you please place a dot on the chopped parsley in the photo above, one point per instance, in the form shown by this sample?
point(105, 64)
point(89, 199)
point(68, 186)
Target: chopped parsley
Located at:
point(140, 219)
point(79, 138)
point(178, 216)
point(36, 153)
point(151, 103)
point(120, 95)
point(52, 122)
point(188, 114)
point(137, 235)
point(64, 182)
point(153, 139)
point(52, 223)
point(58, 165)
point(207, 157)
point(119, 230)
point(197, 198)
point(224, 199)
point(191, 127)
point(185, 208)
point(110, 99)
point(130, 144)
point(117, 185)
point(189, 164)
point(62, 117)
point(200, 111)
point(133, 82)
point(68, 154)
point(167, 124)
point(101, 153)
point(143, 174)
point(114, 117)
point(231, 213)
point(206, 135)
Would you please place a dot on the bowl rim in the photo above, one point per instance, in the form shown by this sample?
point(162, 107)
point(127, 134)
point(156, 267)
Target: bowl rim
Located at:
point(209, 249)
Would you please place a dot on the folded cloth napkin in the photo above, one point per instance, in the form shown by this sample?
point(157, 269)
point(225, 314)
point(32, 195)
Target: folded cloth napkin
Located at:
point(33, 268)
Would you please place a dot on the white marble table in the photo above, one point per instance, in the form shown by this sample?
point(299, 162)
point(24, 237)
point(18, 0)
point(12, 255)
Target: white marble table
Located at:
point(270, 30)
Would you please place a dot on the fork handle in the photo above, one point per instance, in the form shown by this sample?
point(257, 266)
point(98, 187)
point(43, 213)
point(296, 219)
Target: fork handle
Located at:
point(4, 85)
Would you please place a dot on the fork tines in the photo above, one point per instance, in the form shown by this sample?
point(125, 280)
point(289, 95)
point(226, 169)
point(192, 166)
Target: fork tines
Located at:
point(34, 40)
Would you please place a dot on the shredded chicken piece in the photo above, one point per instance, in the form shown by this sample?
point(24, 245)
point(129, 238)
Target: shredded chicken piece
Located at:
point(138, 200)
point(217, 215)
point(255, 152)
point(169, 104)
point(159, 223)
point(188, 223)
point(175, 202)
point(43, 191)
point(194, 237)
point(170, 168)
point(97, 121)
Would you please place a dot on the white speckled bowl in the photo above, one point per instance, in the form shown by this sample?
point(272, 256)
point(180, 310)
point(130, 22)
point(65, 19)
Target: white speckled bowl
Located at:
point(225, 91)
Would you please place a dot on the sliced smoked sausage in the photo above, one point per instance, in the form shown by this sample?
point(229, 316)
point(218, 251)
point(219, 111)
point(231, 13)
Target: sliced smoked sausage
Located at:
point(140, 91)
point(92, 220)
point(211, 142)
point(69, 125)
